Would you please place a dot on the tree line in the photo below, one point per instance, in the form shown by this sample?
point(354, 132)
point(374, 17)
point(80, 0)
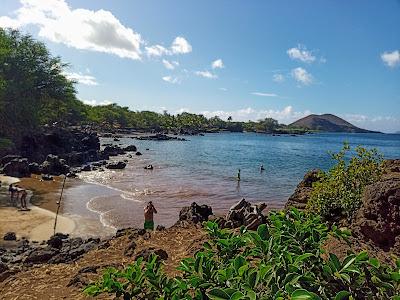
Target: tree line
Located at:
point(35, 91)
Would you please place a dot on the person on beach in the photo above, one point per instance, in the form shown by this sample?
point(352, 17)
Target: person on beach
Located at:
point(149, 212)
point(238, 175)
point(13, 192)
point(262, 168)
point(24, 193)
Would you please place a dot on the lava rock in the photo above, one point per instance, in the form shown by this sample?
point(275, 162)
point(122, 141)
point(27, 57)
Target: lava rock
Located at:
point(130, 148)
point(10, 236)
point(195, 213)
point(303, 190)
point(147, 253)
point(18, 167)
point(116, 165)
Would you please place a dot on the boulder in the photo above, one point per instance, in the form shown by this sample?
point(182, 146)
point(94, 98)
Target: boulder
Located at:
point(10, 236)
point(54, 165)
point(34, 168)
point(138, 153)
point(195, 213)
point(245, 214)
point(303, 190)
point(8, 158)
point(18, 167)
point(378, 219)
point(55, 242)
point(41, 255)
point(130, 148)
point(86, 168)
point(116, 165)
point(113, 150)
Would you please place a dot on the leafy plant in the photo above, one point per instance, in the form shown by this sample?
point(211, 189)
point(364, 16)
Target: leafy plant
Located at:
point(281, 260)
point(339, 191)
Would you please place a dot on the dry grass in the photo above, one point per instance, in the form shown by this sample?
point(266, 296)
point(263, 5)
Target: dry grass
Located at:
point(51, 281)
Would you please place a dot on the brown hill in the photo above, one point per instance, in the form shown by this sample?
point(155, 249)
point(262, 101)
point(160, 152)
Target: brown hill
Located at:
point(329, 123)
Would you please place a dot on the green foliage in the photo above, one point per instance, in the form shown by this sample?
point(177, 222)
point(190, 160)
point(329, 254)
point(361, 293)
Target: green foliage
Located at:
point(340, 189)
point(281, 260)
point(33, 88)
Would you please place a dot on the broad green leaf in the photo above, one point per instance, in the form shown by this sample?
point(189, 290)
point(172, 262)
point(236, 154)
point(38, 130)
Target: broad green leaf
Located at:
point(237, 296)
point(374, 262)
point(218, 294)
point(262, 231)
point(342, 295)
point(303, 257)
point(301, 294)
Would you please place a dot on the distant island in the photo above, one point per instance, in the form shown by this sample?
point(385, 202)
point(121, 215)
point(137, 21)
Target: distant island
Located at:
point(328, 123)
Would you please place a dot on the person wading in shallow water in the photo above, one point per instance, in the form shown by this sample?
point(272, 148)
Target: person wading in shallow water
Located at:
point(149, 212)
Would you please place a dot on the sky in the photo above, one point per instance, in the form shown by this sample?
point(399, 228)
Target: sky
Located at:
point(245, 59)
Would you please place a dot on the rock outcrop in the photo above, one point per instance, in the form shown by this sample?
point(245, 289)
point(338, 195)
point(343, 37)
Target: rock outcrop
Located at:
point(116, 165)
point(195, 213)
point(17, 167)
point(378, 219)
point(303, 190)
point(245, 214)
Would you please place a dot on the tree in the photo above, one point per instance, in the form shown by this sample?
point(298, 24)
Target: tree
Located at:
point(229, 118)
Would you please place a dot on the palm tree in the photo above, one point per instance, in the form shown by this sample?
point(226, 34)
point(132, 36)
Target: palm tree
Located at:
point(229, 118)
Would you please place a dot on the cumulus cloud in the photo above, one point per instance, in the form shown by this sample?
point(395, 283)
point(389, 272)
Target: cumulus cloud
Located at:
point(170, 65)
point(387, 124)
point(81, 78)
point(278, 78)
point(391, 59)
point(171, 79)
point(217, 64)
point(206, 74)
point(264, 94)
point(179, 46)
point(223, 89)
point(301, 53)
point(86, 29)
point(302, 76)
point(78, 28)
point(286, 115)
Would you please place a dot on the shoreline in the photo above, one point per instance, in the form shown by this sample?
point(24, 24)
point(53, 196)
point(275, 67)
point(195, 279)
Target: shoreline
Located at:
point(37, 223)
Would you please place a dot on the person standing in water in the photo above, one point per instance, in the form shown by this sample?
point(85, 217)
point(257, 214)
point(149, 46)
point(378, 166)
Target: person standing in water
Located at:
point(238, 175)
point(149, 212)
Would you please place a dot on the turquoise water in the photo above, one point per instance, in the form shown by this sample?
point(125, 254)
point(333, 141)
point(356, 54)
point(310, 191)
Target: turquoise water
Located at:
point(204, 170)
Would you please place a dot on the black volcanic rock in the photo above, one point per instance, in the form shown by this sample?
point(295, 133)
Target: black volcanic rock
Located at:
point(327, 122)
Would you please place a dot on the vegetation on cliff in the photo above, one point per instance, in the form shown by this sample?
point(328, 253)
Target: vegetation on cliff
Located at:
point(337, 194)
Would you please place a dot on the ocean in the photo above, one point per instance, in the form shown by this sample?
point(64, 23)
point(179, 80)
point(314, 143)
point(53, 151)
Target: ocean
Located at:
point(204, 170)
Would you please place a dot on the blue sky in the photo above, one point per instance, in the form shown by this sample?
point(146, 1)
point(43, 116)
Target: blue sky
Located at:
point(247, 59)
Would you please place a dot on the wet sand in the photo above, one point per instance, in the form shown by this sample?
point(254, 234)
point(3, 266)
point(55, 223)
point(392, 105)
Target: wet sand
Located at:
point(38, 222)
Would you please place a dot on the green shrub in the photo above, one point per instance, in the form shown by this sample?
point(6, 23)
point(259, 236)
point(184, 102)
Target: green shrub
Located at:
point(281, 260)
point(338, 193)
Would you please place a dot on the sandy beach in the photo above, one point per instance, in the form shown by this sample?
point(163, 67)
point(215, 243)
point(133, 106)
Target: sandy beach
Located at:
point(38, 223)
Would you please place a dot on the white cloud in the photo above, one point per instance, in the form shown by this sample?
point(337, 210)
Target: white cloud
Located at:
point(181, 46)
point(217, 64)
point(264, 94)
point(302, 76)
point(94, 102)
point(206, 74)
point(223, 89)
point(387, 124)
point(81, 78)
point(278, 78)
point(78, 28)
point(86, 29)
point(301, 53)
point(391, 59)
point(170, 65)
point(156, 50)
point(287, 115)
point(171, 79)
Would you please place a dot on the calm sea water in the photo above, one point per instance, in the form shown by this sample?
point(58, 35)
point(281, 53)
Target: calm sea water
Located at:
point(204, 170)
